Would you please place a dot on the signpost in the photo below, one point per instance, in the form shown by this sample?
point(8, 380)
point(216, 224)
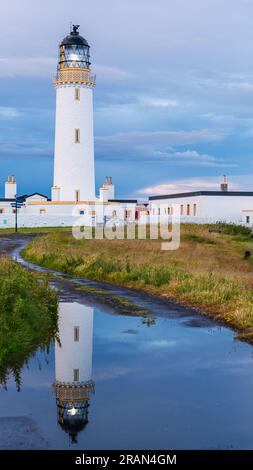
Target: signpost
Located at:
point(16, 205)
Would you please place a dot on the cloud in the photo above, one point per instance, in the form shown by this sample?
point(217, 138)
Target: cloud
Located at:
point(112, 373)
point(158, 146)
point(144, 139)
point(158, 344)
point(165, 137)
point(226, 81)
point(8, 112)
point(212, 183)
point(166, 68)
point(106, 72)
point(157, 102)
point(115, 111)
point(133, 107)
point(25, 148)
point(195, 157)
point(27, 66)
point(180, 186)
point(194, 154)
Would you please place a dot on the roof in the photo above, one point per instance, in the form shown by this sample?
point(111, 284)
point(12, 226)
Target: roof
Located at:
point(34, 194)
point(19, 198)
point(128, 201)
point(74, 38)
point(202, 193)
point(22, 198)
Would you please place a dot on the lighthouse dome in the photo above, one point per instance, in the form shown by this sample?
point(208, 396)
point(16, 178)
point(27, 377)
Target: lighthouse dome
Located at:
point(74, 51)
point(74, 38)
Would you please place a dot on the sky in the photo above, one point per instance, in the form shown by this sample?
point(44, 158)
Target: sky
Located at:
point(173, 105)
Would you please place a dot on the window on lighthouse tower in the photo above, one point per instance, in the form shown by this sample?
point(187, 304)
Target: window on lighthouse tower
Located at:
point(76, 333)
point(77, 136)
point(77, 195)
point(77, 94)
point(76, 375)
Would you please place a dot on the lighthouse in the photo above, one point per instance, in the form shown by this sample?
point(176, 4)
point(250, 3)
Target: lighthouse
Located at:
point(74, 178)
point(73, 367)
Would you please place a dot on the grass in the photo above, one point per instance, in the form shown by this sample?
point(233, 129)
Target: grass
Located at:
point(28, 317)
point(122, 305)
point(7, 231)
point(208, 271)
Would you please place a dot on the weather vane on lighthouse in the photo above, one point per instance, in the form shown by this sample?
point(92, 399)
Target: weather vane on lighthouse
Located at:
point(75, 28)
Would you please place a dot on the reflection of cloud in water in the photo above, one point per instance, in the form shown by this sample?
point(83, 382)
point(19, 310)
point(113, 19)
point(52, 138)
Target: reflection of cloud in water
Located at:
point(115, 337)
point(113, 373)
point(38, 384)
point(158, 344)
point(130, 331)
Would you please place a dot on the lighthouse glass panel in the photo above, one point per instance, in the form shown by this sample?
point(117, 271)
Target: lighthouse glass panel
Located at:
point(75, 56)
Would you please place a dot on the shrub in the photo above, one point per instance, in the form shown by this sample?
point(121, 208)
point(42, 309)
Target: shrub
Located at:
point(28, 316)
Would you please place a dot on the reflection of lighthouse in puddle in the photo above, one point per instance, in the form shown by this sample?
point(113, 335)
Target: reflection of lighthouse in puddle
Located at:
point(73, 366)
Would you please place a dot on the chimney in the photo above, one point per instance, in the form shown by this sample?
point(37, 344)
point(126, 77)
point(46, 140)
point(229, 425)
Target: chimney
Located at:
point(103, 194)
point(224, 184)
point(10, 188)
point(108, 184)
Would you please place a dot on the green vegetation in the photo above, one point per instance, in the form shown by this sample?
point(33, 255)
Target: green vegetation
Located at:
point(232, 229)
point(122, 305)
point(28, 230)
point(208, 271)
point(28, 317)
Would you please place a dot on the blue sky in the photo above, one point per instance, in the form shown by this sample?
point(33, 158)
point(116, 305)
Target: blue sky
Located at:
point(173, 102)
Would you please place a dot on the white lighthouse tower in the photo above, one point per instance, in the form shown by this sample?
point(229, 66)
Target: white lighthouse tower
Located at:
point(74, 178)
point(73, 366)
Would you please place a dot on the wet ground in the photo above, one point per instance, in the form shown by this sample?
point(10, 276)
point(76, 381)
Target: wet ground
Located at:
point(180, 382)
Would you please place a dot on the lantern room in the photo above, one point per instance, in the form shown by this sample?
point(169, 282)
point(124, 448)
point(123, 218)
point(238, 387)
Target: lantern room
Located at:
point(74, 51)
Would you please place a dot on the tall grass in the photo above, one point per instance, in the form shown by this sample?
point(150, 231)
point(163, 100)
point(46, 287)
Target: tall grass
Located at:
point(232, 229)
point(208, 270)
point(28, 317)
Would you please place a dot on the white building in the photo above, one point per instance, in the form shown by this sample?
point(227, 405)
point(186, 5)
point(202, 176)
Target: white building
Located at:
point(73, 197)
point(202, 207)
point(74, 178)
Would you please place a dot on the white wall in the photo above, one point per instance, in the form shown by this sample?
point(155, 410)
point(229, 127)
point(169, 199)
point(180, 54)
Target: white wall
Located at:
point(74, 162)
point(72, 354)
point(35, 197)
point(10, 190)
point(209, 209)
point(103, 194)
point(111, 190)
point(56, 215)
